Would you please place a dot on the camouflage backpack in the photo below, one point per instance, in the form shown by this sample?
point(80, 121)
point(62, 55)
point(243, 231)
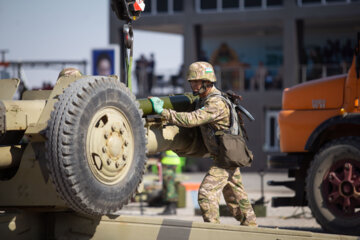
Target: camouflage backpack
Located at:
point(232, 143)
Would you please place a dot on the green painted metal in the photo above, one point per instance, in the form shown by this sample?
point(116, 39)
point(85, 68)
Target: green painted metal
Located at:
point(179, 103)
point(129, 73)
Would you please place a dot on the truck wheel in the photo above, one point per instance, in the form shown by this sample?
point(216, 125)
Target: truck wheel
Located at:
point(96, 147)
point(333, 186)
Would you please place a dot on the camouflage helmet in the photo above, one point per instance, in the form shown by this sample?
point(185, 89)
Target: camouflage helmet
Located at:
point(201, 71)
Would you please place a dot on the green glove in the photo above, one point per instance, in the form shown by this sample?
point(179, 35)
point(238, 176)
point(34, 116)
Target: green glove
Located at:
point(157, 104)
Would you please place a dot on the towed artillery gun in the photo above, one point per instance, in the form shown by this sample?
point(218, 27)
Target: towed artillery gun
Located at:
point(85, 141)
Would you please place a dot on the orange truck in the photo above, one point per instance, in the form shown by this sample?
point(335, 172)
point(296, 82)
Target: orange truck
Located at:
point(320, 143)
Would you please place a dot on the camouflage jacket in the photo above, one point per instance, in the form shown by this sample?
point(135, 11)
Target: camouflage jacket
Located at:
point(212, 114)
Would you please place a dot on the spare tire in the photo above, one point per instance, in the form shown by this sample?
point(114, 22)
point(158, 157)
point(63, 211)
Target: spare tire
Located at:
point(96, 145)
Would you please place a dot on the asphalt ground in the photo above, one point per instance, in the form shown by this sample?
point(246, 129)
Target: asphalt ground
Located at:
point(295, 218)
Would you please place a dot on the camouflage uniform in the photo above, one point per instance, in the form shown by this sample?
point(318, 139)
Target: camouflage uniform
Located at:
point(213, 114)
point(169, 187)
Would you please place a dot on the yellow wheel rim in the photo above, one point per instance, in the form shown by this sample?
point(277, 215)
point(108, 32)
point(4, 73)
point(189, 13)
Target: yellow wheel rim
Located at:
point(109, 145)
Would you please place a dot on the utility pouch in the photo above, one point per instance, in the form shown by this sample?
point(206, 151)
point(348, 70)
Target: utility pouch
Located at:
point(233, 150)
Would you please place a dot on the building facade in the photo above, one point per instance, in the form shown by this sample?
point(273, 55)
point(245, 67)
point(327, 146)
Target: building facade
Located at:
point(258, 48)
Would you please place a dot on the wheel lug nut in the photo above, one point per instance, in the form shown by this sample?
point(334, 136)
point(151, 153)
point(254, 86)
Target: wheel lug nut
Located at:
point(117, 165)
point(104, 149)
point(108, 162)
point(121, 130)
point(126, 143)
point(113, 128)
point(124, 157)
point(106, 135)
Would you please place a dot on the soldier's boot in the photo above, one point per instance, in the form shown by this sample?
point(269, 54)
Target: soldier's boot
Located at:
point(170, 209)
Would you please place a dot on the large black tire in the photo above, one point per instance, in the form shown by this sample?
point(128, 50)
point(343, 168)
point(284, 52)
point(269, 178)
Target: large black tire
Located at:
point(332, 182)
point(96, 145)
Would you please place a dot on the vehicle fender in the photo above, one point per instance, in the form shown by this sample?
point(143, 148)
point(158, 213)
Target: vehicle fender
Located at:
point(325, 129)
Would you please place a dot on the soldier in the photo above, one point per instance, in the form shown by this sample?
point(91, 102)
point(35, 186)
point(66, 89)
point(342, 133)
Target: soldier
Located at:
point(170, 196)
point(212, 115)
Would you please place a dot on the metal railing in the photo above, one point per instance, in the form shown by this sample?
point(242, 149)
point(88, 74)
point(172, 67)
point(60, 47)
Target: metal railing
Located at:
point(168, 7)
point(302, 3)
point(236, 78)
point(316, 71)
point(245, 78)
point(237, 5)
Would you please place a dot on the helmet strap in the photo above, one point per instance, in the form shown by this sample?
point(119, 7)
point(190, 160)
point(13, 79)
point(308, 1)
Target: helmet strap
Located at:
point(204, 86)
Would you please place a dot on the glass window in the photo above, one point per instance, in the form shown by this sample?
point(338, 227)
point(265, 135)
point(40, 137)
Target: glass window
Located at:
point(230, 4)
point(271, 131)
point(310, 1)
point(162, 6)
point(335, 1)
point(178, 5)
point(147, 6)
point(271, 3)
point(208, 4)
point(252, 3)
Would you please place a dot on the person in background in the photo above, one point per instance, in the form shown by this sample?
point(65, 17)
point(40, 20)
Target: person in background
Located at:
point(141, 75)
point(258, 80)
point(150, 68)
point(169, 163)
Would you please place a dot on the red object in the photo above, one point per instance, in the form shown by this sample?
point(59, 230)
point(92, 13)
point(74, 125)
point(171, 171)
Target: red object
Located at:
point(5, 64)
point(139, 5)
point(341, 187)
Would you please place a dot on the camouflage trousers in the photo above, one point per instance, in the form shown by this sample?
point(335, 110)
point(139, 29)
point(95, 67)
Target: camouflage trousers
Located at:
point(229, 182)
point(169, 187)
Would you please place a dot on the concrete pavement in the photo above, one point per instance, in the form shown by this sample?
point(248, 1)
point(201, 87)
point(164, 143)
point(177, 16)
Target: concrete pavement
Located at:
point(296, 218)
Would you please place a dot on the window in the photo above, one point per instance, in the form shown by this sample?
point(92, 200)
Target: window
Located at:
point(208, 4)
point(335, 1)
point(272, 3)
point(147, 6)
point(226, 4)
point(240, 5)
point(323, 2)
point(271, 131)
point(162, 6)
point(252, 3)
point(178, 5)
point(311, 1)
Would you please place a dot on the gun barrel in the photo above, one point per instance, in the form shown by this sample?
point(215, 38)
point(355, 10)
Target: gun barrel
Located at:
point(179, 103)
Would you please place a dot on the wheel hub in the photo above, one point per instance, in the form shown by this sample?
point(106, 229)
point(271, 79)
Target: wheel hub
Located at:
point(341, 187)
point(110, 145)
point(114, 146)
point(347, 189)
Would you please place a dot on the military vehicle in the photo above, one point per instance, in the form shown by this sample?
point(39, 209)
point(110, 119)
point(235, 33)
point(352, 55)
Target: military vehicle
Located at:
point(320, 134)
point(71, 157)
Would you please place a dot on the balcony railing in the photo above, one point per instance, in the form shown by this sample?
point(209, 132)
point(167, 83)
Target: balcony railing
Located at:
point(237, 5)
point(236, 78)
point(245, 78)
point(169, 7)
point(316, 71)
point(302, 3)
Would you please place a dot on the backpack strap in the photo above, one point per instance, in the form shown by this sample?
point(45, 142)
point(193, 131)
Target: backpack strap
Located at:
point(234, 128)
